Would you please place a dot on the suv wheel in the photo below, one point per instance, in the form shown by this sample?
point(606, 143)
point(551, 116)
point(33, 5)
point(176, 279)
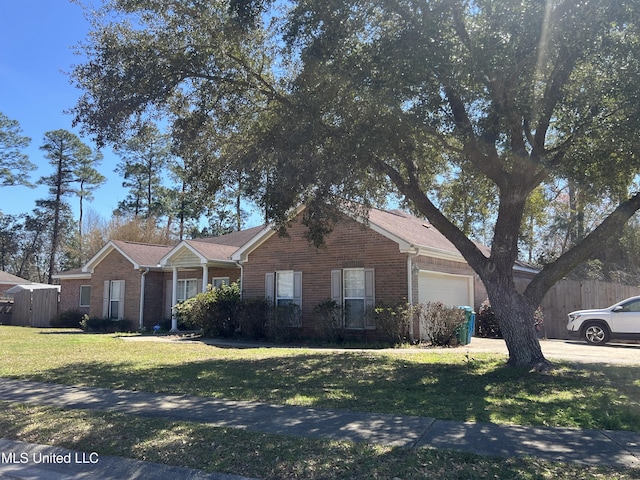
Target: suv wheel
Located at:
point(595, 333)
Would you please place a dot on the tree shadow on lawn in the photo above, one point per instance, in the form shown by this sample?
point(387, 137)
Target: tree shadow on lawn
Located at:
point(371, 383)
point(254, 454)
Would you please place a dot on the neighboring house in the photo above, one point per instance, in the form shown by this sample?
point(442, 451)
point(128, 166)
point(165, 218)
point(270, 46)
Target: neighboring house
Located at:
point(390, 257)
point(7, 281)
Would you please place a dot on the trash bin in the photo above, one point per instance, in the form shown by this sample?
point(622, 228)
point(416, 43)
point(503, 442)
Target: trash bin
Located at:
point(465, 331)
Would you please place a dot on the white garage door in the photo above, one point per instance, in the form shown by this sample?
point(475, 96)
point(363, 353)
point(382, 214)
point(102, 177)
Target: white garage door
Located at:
point(453, 290)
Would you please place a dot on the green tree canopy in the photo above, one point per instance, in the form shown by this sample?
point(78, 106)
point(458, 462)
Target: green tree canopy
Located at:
point(14, 164)
point(72, 163)
point(318, 101)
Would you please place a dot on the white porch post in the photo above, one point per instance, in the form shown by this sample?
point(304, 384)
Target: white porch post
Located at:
point(205, 277)
point(174, 300)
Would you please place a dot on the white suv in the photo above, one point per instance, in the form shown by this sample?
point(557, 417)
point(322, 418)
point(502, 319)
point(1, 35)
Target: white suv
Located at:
point(598, 326)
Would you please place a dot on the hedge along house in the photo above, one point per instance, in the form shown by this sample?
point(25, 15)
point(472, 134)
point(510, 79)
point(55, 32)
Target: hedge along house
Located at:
point(390, 257)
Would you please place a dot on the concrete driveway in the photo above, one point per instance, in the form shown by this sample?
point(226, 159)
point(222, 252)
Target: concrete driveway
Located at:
point(568, 350)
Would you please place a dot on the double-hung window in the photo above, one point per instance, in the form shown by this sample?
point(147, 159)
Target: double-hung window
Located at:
point(219, 281)
point(354, 289)
point(283, 289)
point(113, 299)
point(186, 289)
point(85, 295)
point(354, 299)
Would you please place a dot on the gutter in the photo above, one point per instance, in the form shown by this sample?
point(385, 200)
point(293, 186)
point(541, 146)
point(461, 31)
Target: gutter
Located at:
point(142, 283)
point(410, 257)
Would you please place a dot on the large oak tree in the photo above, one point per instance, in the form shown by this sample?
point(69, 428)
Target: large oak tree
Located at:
point(322, 100)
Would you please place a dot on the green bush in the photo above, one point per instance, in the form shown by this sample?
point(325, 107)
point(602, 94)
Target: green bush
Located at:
point(213, 311)
point(393, 321)
point(486, 322)
point(438, 323)
point(105, 325)
point(284, 321)
point(328, 321)
point(253, 317)
point(67, 319)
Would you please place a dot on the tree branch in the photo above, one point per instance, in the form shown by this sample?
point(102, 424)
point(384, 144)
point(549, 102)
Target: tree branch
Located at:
point(609, 228)
point(412, 191)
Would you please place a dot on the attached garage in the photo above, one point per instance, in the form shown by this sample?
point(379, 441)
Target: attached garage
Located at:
point(452, 290)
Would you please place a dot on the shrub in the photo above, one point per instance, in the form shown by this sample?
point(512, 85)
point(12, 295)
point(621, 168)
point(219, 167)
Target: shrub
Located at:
point(438, 323)
point(212, 311)
point(486, 322)
point(105, 325)
point(284, 321)
point(253, 317)
point(328, 321)
point(392, 320)
point(68, 319)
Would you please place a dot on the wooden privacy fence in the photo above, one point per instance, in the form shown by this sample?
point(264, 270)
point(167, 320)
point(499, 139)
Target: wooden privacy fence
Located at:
point(569, 295)
point(6, 309)
point(34, 308)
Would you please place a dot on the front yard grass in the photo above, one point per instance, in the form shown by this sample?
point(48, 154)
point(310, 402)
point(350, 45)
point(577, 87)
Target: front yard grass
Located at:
point(446, 386)
point(449, 386)
point(269, 456)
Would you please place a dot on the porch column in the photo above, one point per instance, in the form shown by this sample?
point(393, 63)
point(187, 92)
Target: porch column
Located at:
point(174, 300)
point(205, 277)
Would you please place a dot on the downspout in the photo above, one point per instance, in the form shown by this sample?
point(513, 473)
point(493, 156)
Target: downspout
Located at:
point(240, 264)
point(410, 258)
point(142, 283)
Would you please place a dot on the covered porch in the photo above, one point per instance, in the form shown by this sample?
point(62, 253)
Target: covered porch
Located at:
point(194, 266)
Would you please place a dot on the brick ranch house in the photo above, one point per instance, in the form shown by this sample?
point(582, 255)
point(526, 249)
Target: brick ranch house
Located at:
point(393, 256)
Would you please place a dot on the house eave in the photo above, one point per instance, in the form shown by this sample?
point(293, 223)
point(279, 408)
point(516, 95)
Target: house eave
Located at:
point(73, 276)
point(440, 254)
point(242, 254)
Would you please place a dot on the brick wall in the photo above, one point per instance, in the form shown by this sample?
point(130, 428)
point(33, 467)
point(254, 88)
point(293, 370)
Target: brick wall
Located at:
point(350, 245)
point(70, 294)
point(116, 267)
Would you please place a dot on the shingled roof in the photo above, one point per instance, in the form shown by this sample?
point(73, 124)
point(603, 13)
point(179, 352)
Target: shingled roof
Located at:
point(9, 279)
point(139, 254)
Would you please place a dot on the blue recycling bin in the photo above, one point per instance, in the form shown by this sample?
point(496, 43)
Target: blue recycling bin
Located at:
point(465, 331)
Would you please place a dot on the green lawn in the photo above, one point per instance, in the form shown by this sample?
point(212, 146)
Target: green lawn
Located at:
point(445, 386)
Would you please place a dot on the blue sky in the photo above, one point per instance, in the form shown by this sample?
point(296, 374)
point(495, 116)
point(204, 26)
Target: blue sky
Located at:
point(36, 49)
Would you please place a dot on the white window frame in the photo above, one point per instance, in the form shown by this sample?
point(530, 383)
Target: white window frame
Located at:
point(216, 282)
point(274, 296)
point(338, 294)
point(183, 289)
point(281, 299)
point(350, 298)
point(116, 298)
point(85, 287)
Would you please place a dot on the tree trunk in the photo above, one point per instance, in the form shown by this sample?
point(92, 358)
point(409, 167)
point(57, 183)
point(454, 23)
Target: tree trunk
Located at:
point(515, 318)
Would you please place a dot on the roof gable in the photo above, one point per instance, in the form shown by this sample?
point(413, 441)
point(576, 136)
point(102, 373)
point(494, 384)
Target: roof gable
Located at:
point(139, 254)
point(411, 233)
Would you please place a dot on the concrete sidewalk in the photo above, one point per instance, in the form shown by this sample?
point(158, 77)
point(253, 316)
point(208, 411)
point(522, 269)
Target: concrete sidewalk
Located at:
point(26, 461)
point(595, 447)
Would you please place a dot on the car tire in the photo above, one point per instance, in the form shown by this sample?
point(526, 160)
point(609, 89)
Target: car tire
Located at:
point(595, 333)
